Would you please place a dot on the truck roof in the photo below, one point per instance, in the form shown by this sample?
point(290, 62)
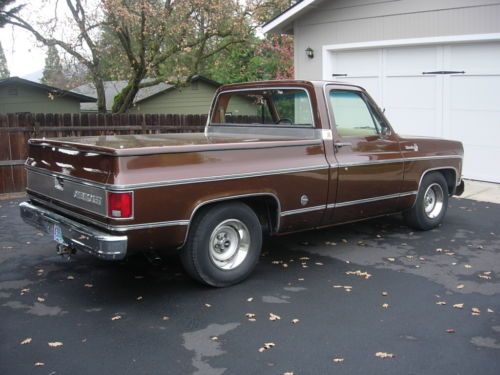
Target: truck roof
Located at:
point(287, 82)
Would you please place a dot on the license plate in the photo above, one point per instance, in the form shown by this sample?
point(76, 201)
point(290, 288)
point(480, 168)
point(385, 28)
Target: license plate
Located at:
point(58, 237)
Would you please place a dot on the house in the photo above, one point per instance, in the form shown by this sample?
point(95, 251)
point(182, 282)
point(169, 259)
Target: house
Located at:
point(195, 98)
point(18, 95)
point(433, 65)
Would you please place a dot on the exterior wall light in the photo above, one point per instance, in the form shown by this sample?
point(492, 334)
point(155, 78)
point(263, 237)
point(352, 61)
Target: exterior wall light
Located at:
point(309, 52)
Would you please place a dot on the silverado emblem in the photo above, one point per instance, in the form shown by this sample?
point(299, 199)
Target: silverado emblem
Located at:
point(87, 197)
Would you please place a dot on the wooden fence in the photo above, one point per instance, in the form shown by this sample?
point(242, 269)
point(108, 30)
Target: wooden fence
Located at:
point(16, 129)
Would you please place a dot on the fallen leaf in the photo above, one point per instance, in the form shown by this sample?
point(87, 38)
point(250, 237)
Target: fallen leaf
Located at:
point(391, 259)
point(486, 277)
point(39, 364)
point(288, 373)
point(250, 299)
point(384, 355)
point(467, 266)
point(116, 317)
point(450, 330)
point(490, 310)
point(475, 311)
point(165, 317)
point(214, 338)
point(267, 345)
point(338, 360)
point(318, 263)
point(208, 305)
point(40, 299)
point(338, 286)
point(295, 321)
point(274, 317)
point(364, 274)
point(458, 305)
point(304, 258)
point(460, 286)
point(385, 294)
point(55, 344)
point(300, 279)
point(385, 305)
point(25, 290)
point(70, 277)
point(88, 285)
point(139, 298)
point(440, 303)
point(26, 341)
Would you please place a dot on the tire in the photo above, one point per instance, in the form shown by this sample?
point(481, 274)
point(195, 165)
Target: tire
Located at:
point(431, 204)
point(223, 245)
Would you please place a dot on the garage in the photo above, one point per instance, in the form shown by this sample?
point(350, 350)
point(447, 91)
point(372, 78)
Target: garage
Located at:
point(446, 87)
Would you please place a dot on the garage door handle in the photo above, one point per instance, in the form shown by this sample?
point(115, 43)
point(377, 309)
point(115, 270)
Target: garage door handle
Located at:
point(339, 75)
point(445, 72)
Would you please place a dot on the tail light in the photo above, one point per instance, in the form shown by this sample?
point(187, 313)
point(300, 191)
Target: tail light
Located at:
point(120, 205)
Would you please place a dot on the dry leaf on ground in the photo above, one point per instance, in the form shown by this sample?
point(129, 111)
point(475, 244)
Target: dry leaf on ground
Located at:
point(274, 317)
point(441, 303)
point(338, 360)
point(39, 364)
point(460, 286)
point(458, 305)
point(116, 317)
point(267, 345)
point(384, 355)
point(360, 273)
point(55, 344)
point(26, 341)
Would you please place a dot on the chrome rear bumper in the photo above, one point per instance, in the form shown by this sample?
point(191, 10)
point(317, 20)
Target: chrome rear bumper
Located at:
point(74, 234)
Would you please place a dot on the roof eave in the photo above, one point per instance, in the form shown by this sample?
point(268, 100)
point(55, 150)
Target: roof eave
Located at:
point(283, 23)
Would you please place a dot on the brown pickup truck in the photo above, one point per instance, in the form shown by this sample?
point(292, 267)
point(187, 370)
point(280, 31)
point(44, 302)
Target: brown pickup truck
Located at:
point(276, 157)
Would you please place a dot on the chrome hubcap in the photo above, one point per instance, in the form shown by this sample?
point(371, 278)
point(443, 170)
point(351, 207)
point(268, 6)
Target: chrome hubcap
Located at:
point(433, 201)
point(229, 244)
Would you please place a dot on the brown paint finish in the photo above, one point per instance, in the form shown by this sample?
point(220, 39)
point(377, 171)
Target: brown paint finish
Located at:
point(173, 176)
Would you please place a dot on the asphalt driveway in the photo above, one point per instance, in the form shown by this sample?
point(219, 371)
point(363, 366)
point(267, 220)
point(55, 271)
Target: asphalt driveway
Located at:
point(367, 298)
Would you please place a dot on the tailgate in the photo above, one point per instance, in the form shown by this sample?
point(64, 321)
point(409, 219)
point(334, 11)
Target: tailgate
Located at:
point(69, 175)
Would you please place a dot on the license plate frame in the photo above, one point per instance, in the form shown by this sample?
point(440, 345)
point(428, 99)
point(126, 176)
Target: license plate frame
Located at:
point(57, 234)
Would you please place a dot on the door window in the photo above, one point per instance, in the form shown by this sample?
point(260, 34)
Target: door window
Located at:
point(353, 117)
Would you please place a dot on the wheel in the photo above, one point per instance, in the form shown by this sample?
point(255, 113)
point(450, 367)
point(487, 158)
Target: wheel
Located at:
point(223, 245)
point(431, 204)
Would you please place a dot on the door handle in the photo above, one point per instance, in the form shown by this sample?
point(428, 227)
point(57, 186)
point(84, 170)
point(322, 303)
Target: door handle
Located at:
point(342, 144)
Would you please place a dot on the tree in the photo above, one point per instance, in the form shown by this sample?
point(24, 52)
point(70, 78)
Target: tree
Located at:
point(53, 73)
point(4, 70)
point(168, 40)
point(79, 42)
point(6, 13)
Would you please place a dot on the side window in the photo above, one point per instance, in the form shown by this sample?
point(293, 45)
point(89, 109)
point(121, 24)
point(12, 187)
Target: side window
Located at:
point(353, 118)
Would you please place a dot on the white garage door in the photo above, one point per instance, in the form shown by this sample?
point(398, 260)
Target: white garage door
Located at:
point(422, 97)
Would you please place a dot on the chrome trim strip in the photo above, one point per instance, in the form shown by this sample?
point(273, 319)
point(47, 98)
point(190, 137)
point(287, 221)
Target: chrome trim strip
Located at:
point(303, 210)
point(399, 160)
point(114, 228)
point(370, 200)
point(193, 180)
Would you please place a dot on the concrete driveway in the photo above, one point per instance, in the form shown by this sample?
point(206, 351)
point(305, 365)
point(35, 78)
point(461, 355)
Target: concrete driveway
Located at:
point(366, 298)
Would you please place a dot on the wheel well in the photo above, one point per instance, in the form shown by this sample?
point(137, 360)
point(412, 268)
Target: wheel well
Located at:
point(450, 176)
point(266, 207)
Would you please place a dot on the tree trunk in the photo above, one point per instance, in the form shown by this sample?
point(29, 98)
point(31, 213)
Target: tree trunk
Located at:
point(101, 95)
point(125, 99)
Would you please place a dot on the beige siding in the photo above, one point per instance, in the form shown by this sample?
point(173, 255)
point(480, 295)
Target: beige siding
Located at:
point(350, 21)
point(195, 99)
point(20, 98)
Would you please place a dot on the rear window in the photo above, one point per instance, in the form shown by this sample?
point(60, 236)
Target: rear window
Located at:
point(267, 107)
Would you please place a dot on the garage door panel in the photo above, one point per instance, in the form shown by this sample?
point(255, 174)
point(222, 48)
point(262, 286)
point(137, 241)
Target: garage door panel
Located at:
point(475, 93)
point(412, 121)
point(475, 58)
point(410, 60)
point(480, 163)
point(410, 92)
point(358, 63)
point(471, 130)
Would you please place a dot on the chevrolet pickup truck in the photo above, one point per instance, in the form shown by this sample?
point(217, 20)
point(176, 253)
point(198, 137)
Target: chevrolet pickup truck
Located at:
point(276, 157)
